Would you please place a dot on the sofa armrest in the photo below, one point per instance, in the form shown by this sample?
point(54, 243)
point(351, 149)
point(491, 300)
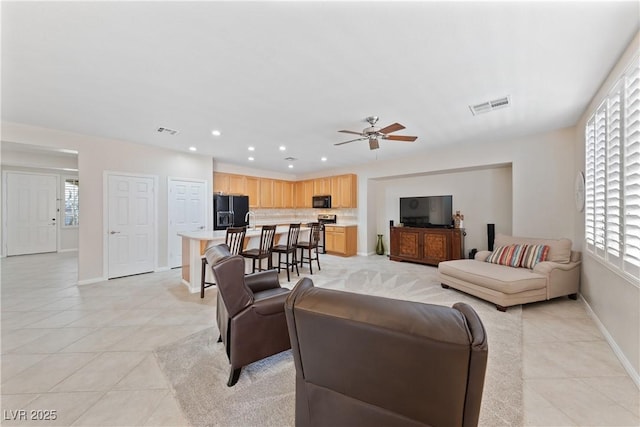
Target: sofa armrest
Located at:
point(562, 278)
point(262, 280)
point(482, 255)
point(546, 267)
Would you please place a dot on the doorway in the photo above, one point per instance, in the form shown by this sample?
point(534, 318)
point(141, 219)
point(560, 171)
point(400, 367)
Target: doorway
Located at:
point(187, 205)
point(131, 224)
point(31, 212)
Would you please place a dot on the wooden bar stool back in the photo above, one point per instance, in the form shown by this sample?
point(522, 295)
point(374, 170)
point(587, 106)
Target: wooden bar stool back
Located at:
point(235, 240)
point(289, 250)
point(264, 249)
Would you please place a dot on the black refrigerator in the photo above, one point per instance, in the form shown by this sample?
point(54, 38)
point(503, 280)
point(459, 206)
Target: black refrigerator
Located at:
point(229, 211)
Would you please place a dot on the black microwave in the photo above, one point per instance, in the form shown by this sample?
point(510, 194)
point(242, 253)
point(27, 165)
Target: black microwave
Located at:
point(321, 202)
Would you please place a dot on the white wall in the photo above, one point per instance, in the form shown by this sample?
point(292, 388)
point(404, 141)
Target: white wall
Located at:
point(97, 155)
point(615, 300)
point(482, 195)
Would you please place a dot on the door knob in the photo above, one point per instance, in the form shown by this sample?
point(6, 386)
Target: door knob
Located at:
point(115, 232)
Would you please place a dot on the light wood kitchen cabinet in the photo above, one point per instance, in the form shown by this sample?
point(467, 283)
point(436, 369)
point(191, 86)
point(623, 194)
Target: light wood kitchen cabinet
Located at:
point(344, 191)
point(266, 193)
point(220, 182)
point(237, 184)
point(288, 189)
point(321, 187)
point(253, 191)
point(278, 194)
point(341, 240)
point(304, 193)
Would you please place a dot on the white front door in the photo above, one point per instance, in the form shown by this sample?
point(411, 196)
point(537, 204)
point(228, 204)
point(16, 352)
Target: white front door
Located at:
point(31, 213)
point(131, 225)
point(187, 212)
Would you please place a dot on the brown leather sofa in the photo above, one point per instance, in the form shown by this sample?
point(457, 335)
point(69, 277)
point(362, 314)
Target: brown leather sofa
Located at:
point(250, 310)
point(363, 360)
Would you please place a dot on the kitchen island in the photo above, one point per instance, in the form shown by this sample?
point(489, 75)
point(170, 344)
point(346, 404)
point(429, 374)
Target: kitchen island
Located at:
point(194, 244)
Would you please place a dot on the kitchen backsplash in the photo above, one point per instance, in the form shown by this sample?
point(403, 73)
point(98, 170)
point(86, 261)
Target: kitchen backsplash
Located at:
point(286, 216)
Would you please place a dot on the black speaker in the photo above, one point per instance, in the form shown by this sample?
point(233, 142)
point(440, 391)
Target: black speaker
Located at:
point(491, 235)
point(390, 223)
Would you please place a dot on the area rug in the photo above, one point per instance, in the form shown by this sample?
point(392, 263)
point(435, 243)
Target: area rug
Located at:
point(197, 366)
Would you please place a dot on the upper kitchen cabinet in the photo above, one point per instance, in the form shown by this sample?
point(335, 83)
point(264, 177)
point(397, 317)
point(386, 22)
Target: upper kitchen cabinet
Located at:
point(228, 183)
point(344, 191)
point(266, 193)
point(322, 186)
point(253, 191)
point(288, 194)
point(303, 193)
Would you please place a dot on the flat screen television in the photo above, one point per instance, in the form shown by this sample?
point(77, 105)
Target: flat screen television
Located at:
point(427, 211)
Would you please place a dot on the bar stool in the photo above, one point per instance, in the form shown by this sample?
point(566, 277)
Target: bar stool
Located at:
point(311, 244)
point(264, 249)
point(289, 248)
point(235, 240)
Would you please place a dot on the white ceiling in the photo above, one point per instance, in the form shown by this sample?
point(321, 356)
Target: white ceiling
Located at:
point(294, 73)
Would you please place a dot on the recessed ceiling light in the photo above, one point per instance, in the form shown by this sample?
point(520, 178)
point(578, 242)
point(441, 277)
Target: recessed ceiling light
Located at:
point(215, 132)
point(282, 148)
point(290, 166)
point(252, 148)
point(193, 149)
point(251, 159)
point(324, 159)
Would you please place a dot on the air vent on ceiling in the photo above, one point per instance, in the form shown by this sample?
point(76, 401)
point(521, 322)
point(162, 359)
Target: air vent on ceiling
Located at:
point(167, 130)
point(488, 106)
point(290, 159)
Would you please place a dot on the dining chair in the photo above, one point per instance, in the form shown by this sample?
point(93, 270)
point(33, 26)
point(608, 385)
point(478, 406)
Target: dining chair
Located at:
point(235, 240)
point(310, 246)
point(289, 250)
point(264, 249)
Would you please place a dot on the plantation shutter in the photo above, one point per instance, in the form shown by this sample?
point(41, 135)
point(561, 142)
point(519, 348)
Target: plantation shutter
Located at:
point(614, 182)
point(589, 199)
point(631, 162)
point(600, 178)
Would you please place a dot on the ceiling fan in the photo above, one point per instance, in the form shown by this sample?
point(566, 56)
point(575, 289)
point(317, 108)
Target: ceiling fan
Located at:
point(373, 133)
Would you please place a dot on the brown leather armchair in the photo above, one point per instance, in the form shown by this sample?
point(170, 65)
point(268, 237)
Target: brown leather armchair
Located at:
point(250, 310)
point(363, 360)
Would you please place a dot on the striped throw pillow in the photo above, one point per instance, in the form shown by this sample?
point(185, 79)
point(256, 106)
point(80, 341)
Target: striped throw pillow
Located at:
point(507, 255)
point(534, 254)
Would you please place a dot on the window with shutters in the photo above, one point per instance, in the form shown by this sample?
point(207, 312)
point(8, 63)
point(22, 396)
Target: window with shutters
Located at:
point(71, 206)
point(612, 176)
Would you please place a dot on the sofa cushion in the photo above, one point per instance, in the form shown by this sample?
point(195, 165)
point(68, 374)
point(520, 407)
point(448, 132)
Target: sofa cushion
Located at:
point(559, 249)
point(508, 280)
point(533, 254)
point(507, 255)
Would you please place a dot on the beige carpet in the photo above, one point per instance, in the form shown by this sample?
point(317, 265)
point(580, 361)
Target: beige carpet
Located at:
point(198, 369)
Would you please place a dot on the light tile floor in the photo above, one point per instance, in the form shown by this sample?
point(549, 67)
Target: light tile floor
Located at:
point(86, 351)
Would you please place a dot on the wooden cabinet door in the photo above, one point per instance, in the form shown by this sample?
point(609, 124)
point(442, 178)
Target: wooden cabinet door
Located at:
point(220, 182)
point(344, 191)
point(288, 194)
point(329, 241)
point(436, 247)
point(237, 184)
point(340, 242)
point(407, 243)
point(299, 194)
point(278, 194)
point(307, 189)
point(253, 191)
point(321, 186)
point(266, 193)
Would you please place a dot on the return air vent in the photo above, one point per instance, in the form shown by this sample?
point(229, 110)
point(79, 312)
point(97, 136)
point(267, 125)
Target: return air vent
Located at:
point(167, 130)
point(488, 106)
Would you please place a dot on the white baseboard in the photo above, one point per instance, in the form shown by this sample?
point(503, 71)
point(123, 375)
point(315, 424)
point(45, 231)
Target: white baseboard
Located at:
point(90, 281)
point(635, 377)
point(67, 250)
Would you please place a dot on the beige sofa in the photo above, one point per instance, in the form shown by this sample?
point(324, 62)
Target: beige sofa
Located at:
point(506, 286)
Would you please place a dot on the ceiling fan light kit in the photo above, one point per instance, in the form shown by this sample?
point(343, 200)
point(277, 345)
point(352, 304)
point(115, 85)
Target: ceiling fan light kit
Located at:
point(373, 133)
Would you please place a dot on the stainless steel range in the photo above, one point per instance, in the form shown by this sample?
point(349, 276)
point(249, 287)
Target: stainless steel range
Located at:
point(322, 220)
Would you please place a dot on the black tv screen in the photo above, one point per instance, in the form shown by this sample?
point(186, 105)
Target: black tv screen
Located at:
point(428, 211)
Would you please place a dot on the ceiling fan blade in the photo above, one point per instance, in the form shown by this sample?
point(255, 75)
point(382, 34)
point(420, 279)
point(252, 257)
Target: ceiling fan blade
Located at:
point(352, 140)
point(391, 128)
point(401, 138)
point(373, 144)
point(350, 131)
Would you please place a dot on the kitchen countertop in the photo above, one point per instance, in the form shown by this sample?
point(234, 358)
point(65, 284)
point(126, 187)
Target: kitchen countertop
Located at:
point(220, 234)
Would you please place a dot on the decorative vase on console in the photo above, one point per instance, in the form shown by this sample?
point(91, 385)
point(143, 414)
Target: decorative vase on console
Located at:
point(380, 246)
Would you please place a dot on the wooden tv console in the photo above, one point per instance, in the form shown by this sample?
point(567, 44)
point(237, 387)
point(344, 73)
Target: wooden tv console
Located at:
point(426, 245)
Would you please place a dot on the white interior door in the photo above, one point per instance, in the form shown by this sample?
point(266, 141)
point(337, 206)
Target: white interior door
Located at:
point(187, 212)
point(31, 213)
point(131, 225)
